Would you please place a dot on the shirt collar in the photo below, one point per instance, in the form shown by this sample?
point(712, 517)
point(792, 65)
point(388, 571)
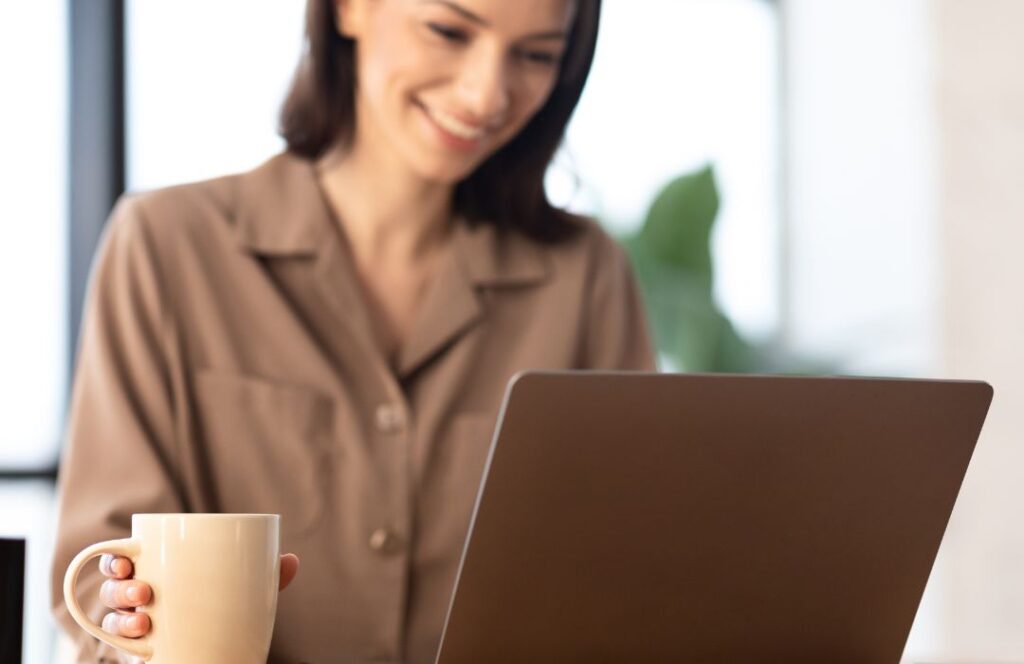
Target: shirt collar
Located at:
point(281, 211)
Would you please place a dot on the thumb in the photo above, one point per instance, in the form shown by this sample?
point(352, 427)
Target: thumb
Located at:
point(289, 568)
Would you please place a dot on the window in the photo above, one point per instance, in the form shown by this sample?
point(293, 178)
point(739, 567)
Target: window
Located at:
point(205, 80)
point(34, 345)
point(677, 84)
point(33, 275)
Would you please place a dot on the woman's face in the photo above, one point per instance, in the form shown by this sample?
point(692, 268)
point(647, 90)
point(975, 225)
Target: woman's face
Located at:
point(442, 84)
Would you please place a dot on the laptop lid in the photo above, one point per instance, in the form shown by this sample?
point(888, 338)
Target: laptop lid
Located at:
point(630, 517)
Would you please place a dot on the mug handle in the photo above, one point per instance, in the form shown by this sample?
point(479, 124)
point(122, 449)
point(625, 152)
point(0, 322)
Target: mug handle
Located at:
point(128, 548)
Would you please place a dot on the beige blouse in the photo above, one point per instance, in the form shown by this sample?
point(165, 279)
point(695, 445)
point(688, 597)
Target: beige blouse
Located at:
point(227, 364)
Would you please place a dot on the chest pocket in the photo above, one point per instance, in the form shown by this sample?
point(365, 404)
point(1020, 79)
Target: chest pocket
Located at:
point(268, 445)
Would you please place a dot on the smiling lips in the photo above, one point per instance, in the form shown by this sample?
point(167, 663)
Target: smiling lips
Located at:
point(459, 133)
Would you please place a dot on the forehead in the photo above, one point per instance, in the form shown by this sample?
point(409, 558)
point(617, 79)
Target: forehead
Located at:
point(515, 16)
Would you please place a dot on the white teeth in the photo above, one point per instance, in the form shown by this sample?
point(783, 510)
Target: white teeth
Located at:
point(454, 125)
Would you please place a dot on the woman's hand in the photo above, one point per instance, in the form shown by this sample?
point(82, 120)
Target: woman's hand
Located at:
point(123, 594)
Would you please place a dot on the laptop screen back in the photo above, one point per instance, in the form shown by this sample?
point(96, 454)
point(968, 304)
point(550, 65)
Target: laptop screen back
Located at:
point(12, 583)
point(658, 518)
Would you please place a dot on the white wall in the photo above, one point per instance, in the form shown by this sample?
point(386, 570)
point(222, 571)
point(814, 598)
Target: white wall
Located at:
point(980, 94)
point(859, 197)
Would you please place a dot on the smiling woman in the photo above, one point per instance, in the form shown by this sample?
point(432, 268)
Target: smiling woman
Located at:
point(507, 75)
point(328, 337)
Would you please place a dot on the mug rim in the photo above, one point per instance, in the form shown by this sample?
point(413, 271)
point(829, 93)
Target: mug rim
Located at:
point(206, 515)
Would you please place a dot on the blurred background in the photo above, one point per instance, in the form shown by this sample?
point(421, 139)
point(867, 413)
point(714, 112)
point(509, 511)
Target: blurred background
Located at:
point(851, 173)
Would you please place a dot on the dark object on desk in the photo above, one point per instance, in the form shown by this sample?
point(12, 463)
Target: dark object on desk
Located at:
point(713, 519)
point(12, 601)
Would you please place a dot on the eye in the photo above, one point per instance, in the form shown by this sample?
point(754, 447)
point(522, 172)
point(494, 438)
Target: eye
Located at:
point(540, 57)
point(448, 33)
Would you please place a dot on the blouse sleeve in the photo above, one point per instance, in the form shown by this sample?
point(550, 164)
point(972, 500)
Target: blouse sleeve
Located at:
point(617, 335)
point(118, 455)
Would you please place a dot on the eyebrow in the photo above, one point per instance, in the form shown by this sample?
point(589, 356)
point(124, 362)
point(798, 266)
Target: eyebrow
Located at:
point(479, 20)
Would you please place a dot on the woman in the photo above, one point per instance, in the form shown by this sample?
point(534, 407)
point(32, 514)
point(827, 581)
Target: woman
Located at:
point(329, 336)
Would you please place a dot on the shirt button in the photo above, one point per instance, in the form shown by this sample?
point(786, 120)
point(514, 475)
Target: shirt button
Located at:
point(383, 541)
point(390, 418)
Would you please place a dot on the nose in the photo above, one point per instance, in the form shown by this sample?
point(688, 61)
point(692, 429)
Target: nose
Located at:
point(483, 86)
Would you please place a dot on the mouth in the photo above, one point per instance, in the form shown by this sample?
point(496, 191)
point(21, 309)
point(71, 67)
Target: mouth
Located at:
point(453, 131)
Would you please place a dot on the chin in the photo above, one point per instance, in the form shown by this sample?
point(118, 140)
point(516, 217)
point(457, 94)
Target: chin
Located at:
point(447, 173)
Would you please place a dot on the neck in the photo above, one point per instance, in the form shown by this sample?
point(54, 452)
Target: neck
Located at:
point(385, 211)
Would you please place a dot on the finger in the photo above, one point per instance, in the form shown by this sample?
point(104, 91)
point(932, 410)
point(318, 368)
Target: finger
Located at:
point(121, 567)
point(116, 567)
point(125, 594)
point(289, 568)
point(132, 625)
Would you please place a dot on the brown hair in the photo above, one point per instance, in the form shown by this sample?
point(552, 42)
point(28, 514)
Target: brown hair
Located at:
point(508, 188)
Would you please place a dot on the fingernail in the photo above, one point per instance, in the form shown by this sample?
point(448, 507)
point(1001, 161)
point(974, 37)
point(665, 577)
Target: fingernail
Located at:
point(135, 622)
point(133, 594)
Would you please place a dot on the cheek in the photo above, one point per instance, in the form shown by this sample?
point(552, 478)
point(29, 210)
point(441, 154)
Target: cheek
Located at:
point(387, 60)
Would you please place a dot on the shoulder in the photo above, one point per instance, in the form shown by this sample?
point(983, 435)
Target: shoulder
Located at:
point(207, 218)
point(589, 247)
point(197, 211)
point(147, 235)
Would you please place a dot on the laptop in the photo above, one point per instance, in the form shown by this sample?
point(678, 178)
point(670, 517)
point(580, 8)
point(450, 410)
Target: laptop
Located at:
point(630, 517)
point(12, 585)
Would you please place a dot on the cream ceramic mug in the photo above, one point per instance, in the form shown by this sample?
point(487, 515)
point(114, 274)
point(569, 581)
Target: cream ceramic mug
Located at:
point(214, 579)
